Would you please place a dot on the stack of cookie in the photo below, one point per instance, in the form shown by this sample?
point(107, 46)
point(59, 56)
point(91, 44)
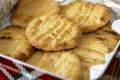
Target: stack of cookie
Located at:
point(91, 51)
point(106, 35)
point(66, 40)
point(103, 40)
point(56, 34)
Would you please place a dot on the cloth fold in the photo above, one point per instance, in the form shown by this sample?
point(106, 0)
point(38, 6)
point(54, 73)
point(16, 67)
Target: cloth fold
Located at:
point(5, 9)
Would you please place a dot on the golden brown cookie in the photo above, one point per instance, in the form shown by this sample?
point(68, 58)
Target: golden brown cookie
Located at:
point(91, 50)
point(88, 58)
point(106, 35)
point(88, 16)
point(89, 55)
point(14, 44)
point(63, 63)
point(55, 32)
point(102, 34)
point(110, 43)
point(27, 10)
point(94, 44)
point(106, 28)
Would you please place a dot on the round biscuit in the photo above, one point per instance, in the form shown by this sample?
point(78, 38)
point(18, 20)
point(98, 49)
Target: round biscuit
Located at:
point(63, 63)
point(14, 43)
point(27, 10)
point(55, 32)
point(88, 16)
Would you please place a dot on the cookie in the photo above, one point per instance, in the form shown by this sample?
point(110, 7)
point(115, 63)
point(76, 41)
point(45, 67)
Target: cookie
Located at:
point(14, 43)
point(110, 43)
point(88, 58)
point(27, 10)
point(89, 55)
point(63, 63)
point(106, 28)
point(52, 33)
point(109, 37)
point(88, 16)
point(94, 44)
point(91, 51)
